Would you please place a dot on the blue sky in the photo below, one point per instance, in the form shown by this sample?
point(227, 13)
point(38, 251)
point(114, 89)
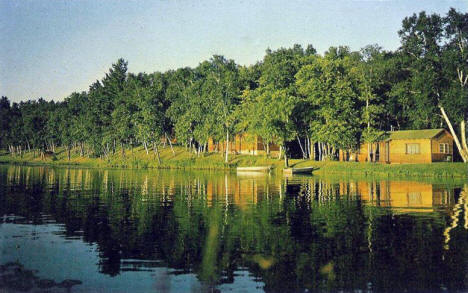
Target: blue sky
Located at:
point(51, 48)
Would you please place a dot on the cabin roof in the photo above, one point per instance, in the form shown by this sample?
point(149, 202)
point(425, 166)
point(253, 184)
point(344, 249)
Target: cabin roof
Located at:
point(414, 134)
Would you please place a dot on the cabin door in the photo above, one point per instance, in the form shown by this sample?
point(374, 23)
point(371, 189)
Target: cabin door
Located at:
point(387, 152)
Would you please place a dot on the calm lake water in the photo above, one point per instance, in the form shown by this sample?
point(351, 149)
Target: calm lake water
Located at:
point(87, 230)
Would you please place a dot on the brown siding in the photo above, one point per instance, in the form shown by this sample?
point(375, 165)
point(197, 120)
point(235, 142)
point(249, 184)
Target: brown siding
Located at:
point(429, 151)
point(361, 154)
point(242, 144)
point(437, 156)
point(398, 151)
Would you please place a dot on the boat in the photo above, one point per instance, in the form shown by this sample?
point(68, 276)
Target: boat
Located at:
point(254, 169)
point(305, 170)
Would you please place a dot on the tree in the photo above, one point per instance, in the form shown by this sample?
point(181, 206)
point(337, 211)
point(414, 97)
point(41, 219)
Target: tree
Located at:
point(5, 121)
point(329, 85)
point(178, 83)
point(369, 81)
point(433, 44)
point(118, 103)
point(149, 118)
point(455, 101)
point(269, 107)
point(220, 89)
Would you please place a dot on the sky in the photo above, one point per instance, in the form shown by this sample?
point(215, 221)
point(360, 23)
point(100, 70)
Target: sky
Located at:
point(51, 48)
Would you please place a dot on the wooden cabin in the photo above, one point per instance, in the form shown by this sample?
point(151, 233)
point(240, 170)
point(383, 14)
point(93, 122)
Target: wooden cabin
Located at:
point(407, 146)
point(243, 144)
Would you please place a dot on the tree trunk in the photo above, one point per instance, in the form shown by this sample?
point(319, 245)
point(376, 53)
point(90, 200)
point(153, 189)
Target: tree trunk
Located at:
point(369, 159)
point(146, 147)
point(314, 151)
point(319, 145)
point(463, 151)
point(156, 151)
point(69, 151)
point(463, 134)
point(300, 145)
point(227, 146)
point(286, 162)
point(170, 143)
point(81, 149)
point(123, 150)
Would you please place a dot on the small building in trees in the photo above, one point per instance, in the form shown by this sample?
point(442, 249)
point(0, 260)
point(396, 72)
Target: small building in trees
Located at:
point(406, 146)
point(244, 144)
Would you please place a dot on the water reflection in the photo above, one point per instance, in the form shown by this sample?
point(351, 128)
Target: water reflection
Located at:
point(226, 231)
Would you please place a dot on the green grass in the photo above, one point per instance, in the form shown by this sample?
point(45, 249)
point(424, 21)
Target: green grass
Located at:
point(448, 170)
point(138, 159)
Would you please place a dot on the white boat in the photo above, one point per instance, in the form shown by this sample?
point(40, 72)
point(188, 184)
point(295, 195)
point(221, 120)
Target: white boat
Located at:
point(254, 169)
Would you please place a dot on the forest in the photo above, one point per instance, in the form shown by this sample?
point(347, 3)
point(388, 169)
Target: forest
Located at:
point(326, 102)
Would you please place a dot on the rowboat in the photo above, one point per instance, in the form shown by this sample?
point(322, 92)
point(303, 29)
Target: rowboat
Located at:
point(305, 170)
point(254, 169)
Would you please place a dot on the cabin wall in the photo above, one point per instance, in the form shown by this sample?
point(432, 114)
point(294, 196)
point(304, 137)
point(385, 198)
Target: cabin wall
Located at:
point(274, 148)
point(243, 144)
point(398, 153)
point(437, 156)
point(361, 154)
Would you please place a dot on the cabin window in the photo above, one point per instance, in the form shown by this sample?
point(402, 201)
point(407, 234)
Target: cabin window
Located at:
point(412, 148)
point(414, 198)
point(444, 148)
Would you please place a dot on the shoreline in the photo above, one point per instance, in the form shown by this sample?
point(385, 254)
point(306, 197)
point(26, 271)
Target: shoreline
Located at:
point(183, 160)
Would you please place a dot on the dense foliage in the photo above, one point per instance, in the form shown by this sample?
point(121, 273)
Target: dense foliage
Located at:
point(325, 102)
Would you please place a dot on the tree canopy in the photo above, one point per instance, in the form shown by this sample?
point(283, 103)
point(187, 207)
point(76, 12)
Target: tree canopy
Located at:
point(328, 102)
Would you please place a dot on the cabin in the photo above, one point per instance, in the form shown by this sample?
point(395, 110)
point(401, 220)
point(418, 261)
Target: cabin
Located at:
point(244, 144)
point(407, 146)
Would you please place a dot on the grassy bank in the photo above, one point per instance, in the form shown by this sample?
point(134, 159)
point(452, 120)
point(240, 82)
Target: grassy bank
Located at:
point(138, 159)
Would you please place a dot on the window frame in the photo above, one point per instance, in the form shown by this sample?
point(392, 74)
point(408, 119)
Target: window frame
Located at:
point(444, 148)
point(417, 147)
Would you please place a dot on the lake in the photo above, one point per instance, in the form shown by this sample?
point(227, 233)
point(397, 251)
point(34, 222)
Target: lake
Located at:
point(95, 230)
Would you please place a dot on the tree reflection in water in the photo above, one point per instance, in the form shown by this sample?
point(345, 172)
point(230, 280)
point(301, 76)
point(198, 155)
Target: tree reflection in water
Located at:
point(291, 234)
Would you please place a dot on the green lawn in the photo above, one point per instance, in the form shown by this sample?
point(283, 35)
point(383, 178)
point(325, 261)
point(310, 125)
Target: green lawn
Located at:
point(215, 161)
